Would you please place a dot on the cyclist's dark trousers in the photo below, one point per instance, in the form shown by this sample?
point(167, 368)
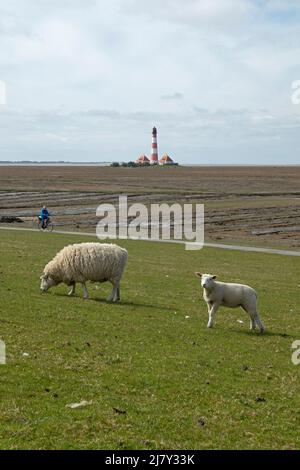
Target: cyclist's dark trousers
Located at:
point(44, 221)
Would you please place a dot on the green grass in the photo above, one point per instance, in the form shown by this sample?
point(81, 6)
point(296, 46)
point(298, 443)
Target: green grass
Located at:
point(156, 379)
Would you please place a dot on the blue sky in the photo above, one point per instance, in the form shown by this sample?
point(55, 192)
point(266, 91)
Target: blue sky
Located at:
point(86, 80)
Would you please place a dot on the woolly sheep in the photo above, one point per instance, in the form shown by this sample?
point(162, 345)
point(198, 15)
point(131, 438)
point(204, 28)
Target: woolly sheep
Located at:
point(97, 262)
point(217, 293)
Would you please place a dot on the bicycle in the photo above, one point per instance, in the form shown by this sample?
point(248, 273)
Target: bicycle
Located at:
point(48, 226)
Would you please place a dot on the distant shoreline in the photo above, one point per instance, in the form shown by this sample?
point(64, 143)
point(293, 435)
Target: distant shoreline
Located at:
point(6, 163)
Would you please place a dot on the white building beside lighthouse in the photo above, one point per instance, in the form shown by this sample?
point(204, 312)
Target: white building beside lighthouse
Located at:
point(166, 160)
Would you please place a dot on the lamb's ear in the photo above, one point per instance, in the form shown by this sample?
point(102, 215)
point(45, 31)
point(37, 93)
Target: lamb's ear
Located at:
point(198, 275)
point(214, 277)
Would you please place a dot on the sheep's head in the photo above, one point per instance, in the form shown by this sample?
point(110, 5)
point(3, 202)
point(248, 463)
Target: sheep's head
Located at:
point(46, 282)
point(207, 280)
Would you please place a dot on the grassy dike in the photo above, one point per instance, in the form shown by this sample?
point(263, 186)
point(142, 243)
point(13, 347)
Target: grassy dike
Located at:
point(156, 376)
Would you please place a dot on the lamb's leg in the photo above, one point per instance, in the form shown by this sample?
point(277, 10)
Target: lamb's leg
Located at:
point(72, 291)
point(255, 319)
point(259, 322)
point(118, 293)
point(252, 322)
point(85, 291)
point(212, 315)
point(251, 313)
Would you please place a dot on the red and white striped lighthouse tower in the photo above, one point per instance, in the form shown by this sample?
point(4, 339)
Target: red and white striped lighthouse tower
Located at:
point(154, 155)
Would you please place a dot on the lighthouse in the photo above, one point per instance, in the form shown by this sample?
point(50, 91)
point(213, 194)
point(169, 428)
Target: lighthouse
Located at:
point(154, 155)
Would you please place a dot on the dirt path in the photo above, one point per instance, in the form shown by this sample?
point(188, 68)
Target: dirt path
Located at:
point(212, 245)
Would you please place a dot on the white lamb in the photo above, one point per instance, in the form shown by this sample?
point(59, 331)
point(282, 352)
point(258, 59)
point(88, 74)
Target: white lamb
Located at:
point(97, 262)
point(217, 293)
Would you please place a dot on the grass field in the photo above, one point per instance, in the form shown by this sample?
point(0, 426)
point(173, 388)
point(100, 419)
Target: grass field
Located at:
point(156, 376)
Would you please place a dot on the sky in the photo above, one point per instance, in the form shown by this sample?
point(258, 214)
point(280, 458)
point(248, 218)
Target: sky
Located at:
point(86, 80)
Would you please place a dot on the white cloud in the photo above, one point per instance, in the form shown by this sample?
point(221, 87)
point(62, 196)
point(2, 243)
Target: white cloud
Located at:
point(172, 96)
point(83, 72)
point(221, 13)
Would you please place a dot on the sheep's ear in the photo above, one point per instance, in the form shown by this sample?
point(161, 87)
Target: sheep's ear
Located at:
point(198, 275)
point(214, 277)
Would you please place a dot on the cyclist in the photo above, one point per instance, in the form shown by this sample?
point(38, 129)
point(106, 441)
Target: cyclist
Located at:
point(44, 216)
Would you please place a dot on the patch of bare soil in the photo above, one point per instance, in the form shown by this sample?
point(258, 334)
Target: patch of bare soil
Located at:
point(256, 205)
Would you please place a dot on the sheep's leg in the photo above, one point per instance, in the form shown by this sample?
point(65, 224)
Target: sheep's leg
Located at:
point(72, 291)
point(85, 291)
point(212, 316)
point(115, 293)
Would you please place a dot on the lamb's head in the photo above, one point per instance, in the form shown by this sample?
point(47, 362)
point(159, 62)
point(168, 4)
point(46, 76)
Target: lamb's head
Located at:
point(207, 280)
point(47, 282)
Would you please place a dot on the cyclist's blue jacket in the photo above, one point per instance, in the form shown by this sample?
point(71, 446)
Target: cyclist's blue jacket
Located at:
point(44, 213)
